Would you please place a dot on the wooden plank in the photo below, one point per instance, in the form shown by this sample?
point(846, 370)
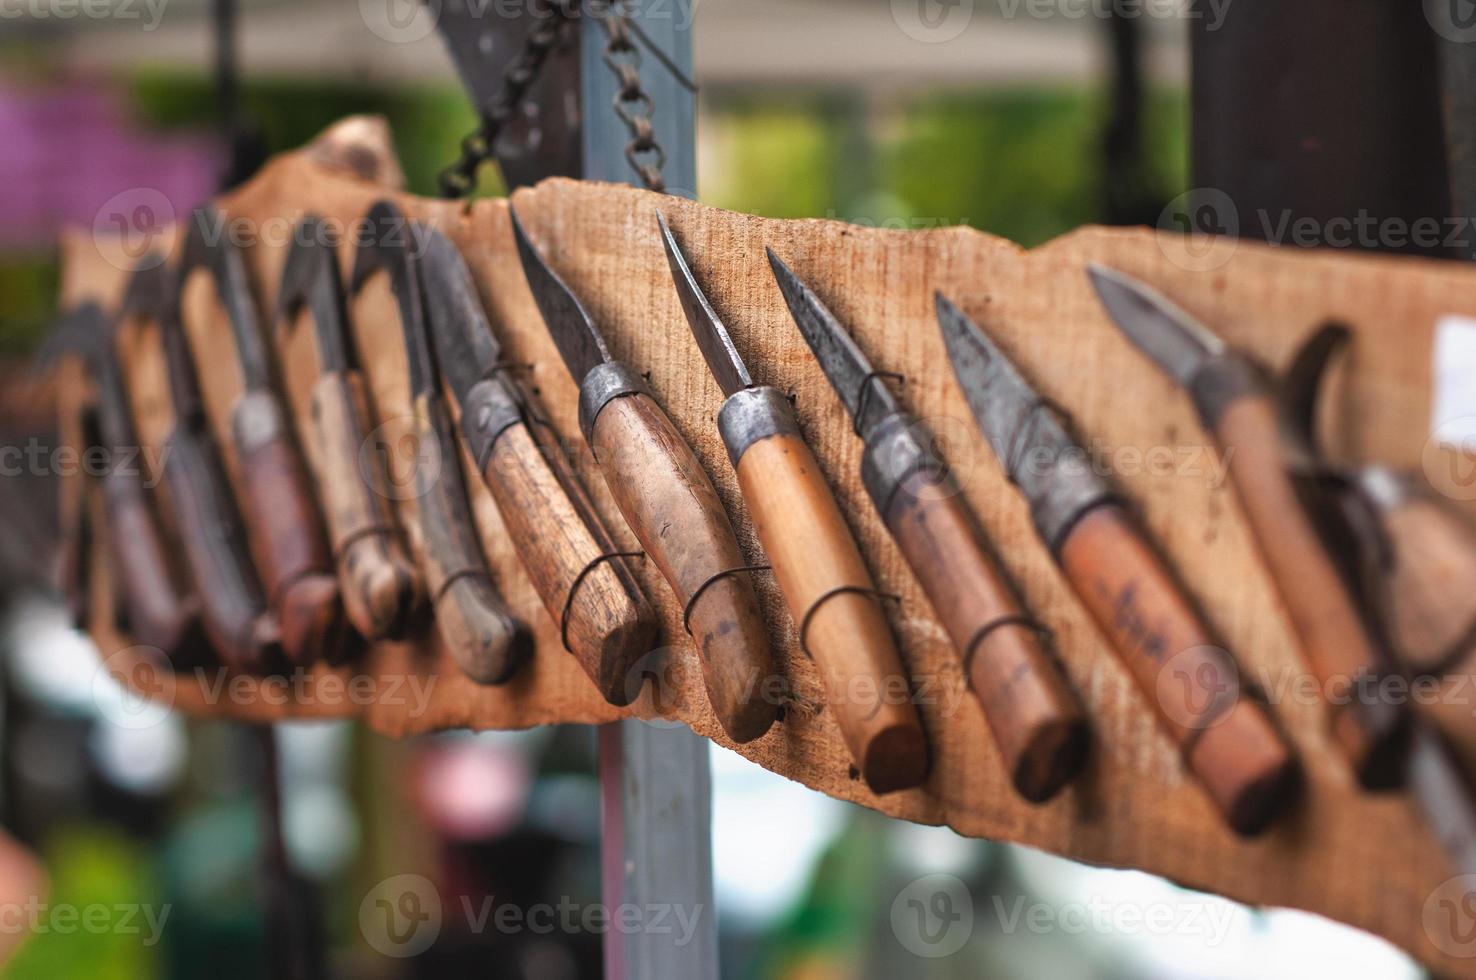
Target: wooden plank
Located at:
point(1365, 860)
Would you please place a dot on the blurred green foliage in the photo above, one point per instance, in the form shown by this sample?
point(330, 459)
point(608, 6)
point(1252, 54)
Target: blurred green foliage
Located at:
point(93, 868)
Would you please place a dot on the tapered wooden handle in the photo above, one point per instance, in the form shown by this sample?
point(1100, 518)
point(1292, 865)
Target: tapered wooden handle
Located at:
point(1371, 730)
point(286, 533)
point(160, 613)
point(1229, 739)
point(671, 505)
point(1037, 721)
point(834, 604)
point(1431, 584)
point(382, 589)
point(232, 609)
point(482, 635)
point(605, 621)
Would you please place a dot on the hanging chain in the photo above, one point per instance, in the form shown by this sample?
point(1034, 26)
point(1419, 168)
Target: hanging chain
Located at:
point(632, 103)
point(459, 179)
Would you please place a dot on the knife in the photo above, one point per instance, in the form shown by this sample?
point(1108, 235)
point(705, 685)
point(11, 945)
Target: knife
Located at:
point(158, 609)
point(382, 589)
point(1229, 740)
point(603, 618)
point(282, 520)
point(819, 567)
point(1234, 399)
point(482, 635)
point(232, 608)
point(669, 501)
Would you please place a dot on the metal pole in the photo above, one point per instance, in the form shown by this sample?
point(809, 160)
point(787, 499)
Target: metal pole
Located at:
point(655, 781)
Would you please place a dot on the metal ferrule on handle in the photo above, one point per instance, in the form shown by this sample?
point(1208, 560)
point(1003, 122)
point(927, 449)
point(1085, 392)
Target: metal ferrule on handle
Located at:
point(489, 409)
point(752, 415)
point(604, 383)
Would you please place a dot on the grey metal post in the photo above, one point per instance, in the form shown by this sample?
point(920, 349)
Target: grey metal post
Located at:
point(655, 780)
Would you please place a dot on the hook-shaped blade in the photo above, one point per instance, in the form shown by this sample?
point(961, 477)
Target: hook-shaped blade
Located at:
point(213, 250)
point(391, 253)
point(310, 277)
point(1302, 384)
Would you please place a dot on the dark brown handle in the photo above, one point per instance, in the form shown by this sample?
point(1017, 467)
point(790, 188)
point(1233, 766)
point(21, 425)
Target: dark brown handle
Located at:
point(1371, 730)
point(671, 505)
point(834, 604)
point(286, 533)
point(1230, 742)
point(234, 614)
point(482, 635)
point(606, 622)
point(160, 614)
point(1036, 718)
point(1431, 585)
point(382, 589)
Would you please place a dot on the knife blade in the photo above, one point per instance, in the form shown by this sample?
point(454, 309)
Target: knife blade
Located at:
point(669, 502)
point(1234, 400)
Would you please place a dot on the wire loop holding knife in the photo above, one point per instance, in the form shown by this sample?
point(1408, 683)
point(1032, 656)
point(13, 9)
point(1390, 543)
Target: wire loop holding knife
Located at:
point(579, 580)
point(711, 581)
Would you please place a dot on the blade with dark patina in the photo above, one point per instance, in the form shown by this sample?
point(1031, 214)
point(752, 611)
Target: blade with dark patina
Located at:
point(574, 333)
point(840, 358)
point(712, 337)
point(1175, 340)
point(466, 348)
point(310, 275)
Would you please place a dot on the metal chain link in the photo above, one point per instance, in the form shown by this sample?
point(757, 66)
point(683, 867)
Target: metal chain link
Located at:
point(460, 178)
point(632, 103)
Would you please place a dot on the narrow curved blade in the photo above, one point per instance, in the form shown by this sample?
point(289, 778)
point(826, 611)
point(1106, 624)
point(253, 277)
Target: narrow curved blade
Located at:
point(1176, 341)
point(712, 337)
point(466, 348)
point(574, 333)
point(840, 358)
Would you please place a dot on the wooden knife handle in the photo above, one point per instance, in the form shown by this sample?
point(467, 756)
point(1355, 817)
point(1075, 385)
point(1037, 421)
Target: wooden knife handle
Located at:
point(604, 619)
point(1372, 731)
point(160, 614)
point(234, 614)
point(482, 635)
point(671, 505)
point(834, 604)
point(1036, 718)
point(287, 533)
point(382, 589)
point(1229, 739)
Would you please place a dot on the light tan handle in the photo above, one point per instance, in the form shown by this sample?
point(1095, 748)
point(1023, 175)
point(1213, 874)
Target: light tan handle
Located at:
point(834, 604)
point(1229, 740)
point(1035, 717)
point(1370, 730)
point(382, 589)
point(671, 505)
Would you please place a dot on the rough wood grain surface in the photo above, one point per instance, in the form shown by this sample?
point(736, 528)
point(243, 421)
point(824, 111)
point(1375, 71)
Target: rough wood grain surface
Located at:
point(1366, 860)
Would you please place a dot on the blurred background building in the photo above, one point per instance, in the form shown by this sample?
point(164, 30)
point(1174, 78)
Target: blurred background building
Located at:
point(897, 113)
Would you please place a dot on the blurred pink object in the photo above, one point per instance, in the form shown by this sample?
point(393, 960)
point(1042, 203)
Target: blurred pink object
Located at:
point(472, 789)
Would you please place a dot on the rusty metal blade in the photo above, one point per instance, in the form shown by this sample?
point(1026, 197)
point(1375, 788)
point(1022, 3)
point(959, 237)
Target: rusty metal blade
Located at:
point(391, 253)
point(712, 337)
point(466, 348)
point(845, 366)
point(1176, 341)
point(310, 276)
point(574, 333)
